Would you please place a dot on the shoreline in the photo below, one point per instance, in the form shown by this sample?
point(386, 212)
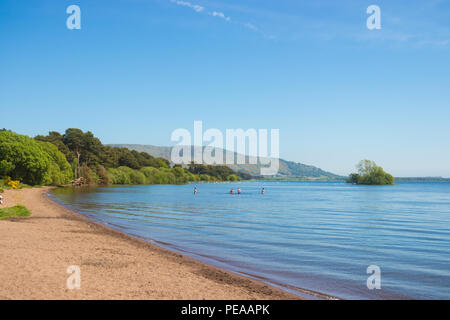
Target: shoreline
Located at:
point(37, 250)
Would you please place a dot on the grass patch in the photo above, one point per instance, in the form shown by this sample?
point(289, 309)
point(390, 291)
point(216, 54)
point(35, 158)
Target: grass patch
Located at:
point(14, 212)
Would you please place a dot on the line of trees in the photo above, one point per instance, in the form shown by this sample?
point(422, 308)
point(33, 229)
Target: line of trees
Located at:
point(57, 159)
point(222, 173)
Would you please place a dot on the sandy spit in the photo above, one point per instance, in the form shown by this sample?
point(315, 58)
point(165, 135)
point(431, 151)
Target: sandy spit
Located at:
point(36, 251)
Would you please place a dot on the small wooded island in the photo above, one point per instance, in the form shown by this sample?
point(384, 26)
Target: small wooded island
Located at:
point(370, 174)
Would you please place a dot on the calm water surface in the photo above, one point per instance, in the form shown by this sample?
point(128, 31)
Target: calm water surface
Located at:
point(319, 236)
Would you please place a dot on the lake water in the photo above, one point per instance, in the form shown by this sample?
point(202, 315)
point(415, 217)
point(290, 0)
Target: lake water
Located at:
point(319, 236)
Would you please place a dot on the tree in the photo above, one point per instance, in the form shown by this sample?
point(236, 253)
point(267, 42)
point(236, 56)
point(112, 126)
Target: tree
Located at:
point(86, 173)
point(102, 174)
point(31, 161)
point(84, 146)
point(74, 140)
point(353, 178)
point(366, 167)
point(59, 171)
point(180, 175)
point(127, 158)
point(5, 168)
point(370, 174)
point(101, 164)
point(57, 139)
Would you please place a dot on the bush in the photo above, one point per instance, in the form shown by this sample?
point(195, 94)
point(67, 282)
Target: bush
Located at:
point(370, 174)
point(137, 177)
point(87, 174)
point(14, 184)
point(353, 178)
point(118, 176)
point(125, 175)
point(233, 178)
point(192, 177)
point(5, 168)
point(59, 171)
point(31, 161)
point(165, 176)
point(180, 175)
point(102, 174)
point(150, 174)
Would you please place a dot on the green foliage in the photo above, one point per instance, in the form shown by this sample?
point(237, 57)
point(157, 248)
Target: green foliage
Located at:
point(118, 176)
point(370, 174)
point(56, 139)
point(150, 174)
point(102, 174)
point(83, 147)
point(125, 175)
point(192, 177)
point(14, 212)
point(167, 176)
point(87, 174)
point(31, 161)
point(59, 171)
point(353, 178)
point(45, 161)
point(6, 167)
point(137, 177)
point(205, 178)
point(217, 173)
point(180, 175)
point(101, 164)
point(162, 177)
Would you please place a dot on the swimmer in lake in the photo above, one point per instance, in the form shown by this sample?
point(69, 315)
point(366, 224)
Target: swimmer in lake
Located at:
point(232, 191)
point(239, 190)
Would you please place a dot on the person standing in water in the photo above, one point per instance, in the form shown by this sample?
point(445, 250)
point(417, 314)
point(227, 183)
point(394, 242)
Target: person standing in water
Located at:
point(239, 190)
point(263, 191)
point(195, 191)
point(232, 191)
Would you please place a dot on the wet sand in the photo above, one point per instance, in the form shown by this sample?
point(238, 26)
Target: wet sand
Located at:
point(36, 251)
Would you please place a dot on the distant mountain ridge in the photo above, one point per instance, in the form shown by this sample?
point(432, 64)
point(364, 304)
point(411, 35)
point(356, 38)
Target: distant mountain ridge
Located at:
point(287, 169)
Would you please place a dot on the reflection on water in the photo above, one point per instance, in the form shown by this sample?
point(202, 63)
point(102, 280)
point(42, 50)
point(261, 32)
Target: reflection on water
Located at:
point(321, 236)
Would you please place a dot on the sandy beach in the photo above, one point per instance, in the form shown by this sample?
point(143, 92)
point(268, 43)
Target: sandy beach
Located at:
point(36, 251)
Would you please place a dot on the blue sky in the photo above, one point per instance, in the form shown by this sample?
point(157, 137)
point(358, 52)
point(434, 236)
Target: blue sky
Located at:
point(139, 69)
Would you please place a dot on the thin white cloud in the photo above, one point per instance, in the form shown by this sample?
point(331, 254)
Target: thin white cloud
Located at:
point(218, 14)
point(251, 27)
point(195, 7)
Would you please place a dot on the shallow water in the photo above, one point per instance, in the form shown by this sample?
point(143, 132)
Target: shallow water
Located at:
point(320, 236)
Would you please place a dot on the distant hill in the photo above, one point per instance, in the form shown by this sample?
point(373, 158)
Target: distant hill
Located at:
point(288, 169)
point(422, 179)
